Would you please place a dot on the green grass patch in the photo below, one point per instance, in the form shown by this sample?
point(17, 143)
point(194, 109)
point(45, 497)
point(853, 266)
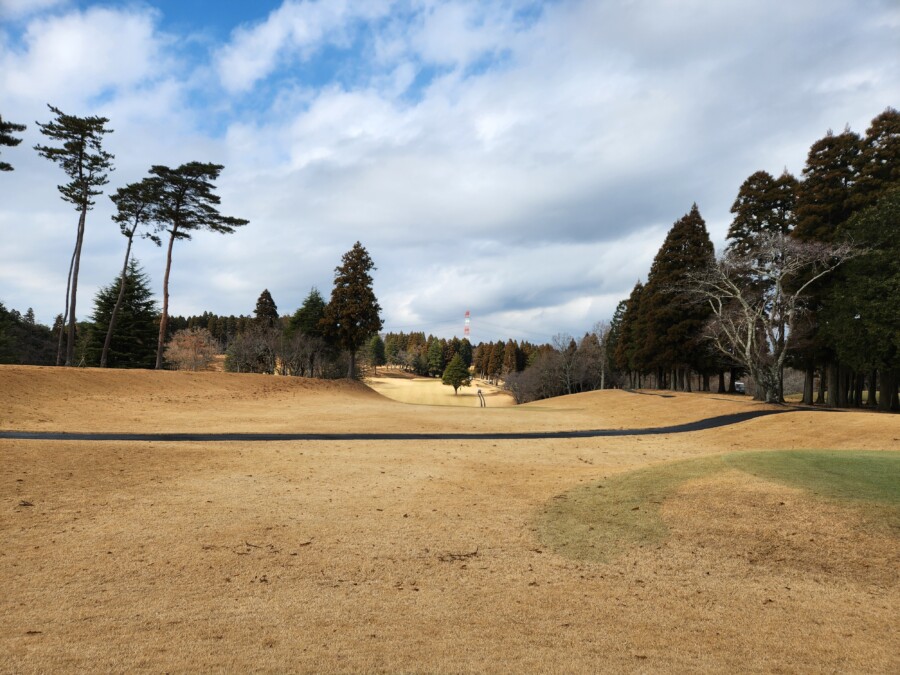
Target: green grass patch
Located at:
point(599, 520)
point(830, 474)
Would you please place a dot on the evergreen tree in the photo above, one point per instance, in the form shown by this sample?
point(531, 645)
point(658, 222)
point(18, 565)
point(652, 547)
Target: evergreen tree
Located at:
point(509, 357)
point(352, 315)
point(392, 348)
point(6, 138)
point(308, 318)
point(859, 314)
point(630, 339)
point(435, 357)
point(824, 202)
point(82, 157)
point(495, 359)
point(879, 161)
point(185, 204)
point(456, 374)
point(823, 199)
point(465, 351)
point(133, 343)
point(134, 203)
point(613, 339)
point(376, 353)
point(23, 340)
point(763, 204)
point(266, 311)
point(671, 319)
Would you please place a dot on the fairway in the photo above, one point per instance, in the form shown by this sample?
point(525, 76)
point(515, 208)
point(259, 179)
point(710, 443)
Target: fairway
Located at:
point(726, 549)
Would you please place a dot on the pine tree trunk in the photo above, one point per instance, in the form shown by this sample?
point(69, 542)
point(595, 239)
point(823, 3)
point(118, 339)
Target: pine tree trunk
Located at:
point(872, 399)
point(887, 385)
point(843, 386)
point(352, 367)
point(721, 389)
point(834, 384)
point(858, 390)
point(104, 356)
point(808, 380)
point(164, 318)
point(705, 382)
point(732, 389)
point(895, 392)
point(687, 375)
point(70, 341)
point(65, 321)
point(820, 396)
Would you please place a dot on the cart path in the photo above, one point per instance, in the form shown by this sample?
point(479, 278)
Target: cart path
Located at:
point(699, 425)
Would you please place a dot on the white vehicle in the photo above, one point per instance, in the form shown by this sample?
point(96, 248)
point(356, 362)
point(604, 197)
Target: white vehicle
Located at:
point(739, 387)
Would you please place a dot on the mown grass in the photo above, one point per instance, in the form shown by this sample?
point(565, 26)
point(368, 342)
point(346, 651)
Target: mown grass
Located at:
point(599, 520)
point(837, 475)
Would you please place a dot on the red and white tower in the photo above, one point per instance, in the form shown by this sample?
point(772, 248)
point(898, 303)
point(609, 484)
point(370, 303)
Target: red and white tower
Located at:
point(466, 329)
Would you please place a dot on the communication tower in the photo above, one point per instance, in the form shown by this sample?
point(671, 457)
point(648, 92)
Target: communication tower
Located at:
point(466, 328)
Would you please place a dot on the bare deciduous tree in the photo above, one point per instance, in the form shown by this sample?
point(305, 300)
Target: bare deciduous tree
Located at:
point(191, 349)
point(757, 300)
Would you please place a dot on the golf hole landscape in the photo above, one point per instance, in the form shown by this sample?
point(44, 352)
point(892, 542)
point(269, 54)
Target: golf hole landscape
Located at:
point(765, 545)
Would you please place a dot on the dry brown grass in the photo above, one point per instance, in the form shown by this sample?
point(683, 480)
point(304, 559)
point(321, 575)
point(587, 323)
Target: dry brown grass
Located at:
point(406, 555)
point(400, 386)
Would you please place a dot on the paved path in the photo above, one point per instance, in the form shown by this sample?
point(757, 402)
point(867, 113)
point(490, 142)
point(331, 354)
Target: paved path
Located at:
point(699, 425)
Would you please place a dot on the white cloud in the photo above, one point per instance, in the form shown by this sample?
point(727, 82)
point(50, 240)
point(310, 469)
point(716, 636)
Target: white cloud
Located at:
point(19, 9)
point(297, 28)
point(73, 57)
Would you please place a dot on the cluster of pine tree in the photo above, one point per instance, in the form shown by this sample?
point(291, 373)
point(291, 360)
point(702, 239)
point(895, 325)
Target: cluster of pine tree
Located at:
point(850, 337)
point(320, 339)
point(179, 202)
point(23, 340)
point(427, 356)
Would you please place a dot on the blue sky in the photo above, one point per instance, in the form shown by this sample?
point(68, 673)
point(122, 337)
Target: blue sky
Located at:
point(518, 159)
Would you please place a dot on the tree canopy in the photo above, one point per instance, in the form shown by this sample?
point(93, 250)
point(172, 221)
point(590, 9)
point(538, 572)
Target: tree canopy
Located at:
point(133, 343)
point(456, 374)
point(6, 138)
point(186, 203)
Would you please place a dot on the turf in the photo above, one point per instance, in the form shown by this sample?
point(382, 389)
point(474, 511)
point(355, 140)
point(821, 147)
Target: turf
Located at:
point(600, 520)
point(839, 475)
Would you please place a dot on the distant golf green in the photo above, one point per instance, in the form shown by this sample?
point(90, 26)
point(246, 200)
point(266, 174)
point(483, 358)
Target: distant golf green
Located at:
point(597, 521)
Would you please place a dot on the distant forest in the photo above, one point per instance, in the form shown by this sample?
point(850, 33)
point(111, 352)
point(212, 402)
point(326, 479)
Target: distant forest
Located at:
point(809, 280)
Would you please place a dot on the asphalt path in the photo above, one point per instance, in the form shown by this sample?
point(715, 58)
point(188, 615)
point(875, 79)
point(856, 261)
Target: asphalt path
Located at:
point(699, 425)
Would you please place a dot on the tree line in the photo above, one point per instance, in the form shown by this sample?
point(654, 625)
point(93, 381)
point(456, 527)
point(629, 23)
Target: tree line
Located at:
point(175, 202)
point(810, 279)
point(172, 205)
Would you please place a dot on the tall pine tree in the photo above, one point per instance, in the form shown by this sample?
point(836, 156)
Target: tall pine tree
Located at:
point(353, 314)
point(186, 203)
point(81, 155)
point(266, 311)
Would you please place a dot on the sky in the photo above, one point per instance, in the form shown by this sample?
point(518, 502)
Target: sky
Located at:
point(519, 160)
